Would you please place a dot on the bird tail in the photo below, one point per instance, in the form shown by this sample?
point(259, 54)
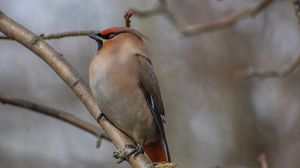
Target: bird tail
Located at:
point(155, 151)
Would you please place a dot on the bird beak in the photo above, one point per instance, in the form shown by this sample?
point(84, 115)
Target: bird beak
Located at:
point(95, 37)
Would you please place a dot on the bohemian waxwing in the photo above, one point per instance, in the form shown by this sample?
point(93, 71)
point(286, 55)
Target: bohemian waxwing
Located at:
point(123, 83)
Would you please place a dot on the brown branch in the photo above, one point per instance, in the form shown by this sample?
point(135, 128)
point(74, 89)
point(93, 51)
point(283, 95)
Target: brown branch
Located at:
point(228, 20)
point(69, 75)
point(262, 159)
point(147, 13)
point(59, 35)
point(59, 114)
point(283, 72)
point(127, 17)
point(186, 29)
point(161, 8)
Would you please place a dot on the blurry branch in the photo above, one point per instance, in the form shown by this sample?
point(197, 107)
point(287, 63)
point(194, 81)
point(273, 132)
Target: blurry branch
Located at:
point(58, 35)
point(161, 8)
point(61, 115)
point(262, 159)
point(228, 20)
point(297, 9)
point(184, 28)
point(284, 71)
point(70, 76)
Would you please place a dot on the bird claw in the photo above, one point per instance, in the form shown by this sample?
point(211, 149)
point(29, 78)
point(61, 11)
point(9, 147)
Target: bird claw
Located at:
point(123, 154)
point(130, 146)
point(139, 149)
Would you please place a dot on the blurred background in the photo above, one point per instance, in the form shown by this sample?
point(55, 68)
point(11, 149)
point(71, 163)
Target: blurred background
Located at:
point(213, 117)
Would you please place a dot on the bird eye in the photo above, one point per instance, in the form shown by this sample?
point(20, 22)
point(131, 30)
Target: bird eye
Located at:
point(112, 35)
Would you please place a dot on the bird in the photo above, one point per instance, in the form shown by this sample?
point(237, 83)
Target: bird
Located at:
point(125, 87)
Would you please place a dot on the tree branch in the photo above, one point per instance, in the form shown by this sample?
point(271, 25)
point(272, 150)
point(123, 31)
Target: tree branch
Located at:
point(228, 20)
point(69, 75)
point(128, 14)
point(283, 72)
point(59, 35)
point(186, 29)
point(59, 114)
point(296, 4)
point(161, 8)
point(262, 159)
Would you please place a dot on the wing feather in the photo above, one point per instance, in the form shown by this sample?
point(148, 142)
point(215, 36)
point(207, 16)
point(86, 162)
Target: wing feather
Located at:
point(149, 86)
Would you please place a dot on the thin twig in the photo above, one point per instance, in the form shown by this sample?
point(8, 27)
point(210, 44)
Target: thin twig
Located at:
point(127, 17)
point(186, 29)
point(59, 114)
point(70, 76)
point(147, 13)
point(56, 36)
point(262, 159)
point(296, 4)
point(161, 8)
point(226, 21)
point(283, 72)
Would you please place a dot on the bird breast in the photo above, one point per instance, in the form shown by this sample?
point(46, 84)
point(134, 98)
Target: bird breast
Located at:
point(114, 82)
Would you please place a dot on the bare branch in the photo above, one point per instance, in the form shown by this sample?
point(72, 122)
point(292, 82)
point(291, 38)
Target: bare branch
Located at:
point(296, 4)
point(59, 35)
point(59, 114)
point(69, 75)
point(186, 29)
point(127, 17)
point(161, 8)
point(262, 159)
point(283, 72)
point(4, 38)
point(226, 21)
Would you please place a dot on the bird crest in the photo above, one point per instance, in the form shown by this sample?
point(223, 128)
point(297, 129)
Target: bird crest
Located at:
point(117, 30)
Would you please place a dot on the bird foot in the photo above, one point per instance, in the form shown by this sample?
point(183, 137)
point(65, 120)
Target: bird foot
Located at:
point(135, 150)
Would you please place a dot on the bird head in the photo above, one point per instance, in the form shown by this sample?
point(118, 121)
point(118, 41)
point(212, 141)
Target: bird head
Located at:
point(112, 32)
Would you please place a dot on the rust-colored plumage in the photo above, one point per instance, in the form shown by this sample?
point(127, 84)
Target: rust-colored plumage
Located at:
point(111, 30)
point(126, 89)
point(156, 152)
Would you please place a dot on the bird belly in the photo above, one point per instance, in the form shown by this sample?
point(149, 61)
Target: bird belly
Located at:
point(117, 92)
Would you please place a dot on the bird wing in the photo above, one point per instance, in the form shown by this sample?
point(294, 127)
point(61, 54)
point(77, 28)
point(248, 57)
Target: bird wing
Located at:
point(150, 88)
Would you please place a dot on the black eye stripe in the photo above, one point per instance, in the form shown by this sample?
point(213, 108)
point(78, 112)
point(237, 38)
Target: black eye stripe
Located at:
point(110, 35)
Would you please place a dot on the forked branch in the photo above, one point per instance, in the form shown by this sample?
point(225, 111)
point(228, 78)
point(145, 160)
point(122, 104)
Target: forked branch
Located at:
point(282, 72)
point(59, 114)
point(59, 35)
point(128, 14)
point(69, 75)
point(186, 29)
